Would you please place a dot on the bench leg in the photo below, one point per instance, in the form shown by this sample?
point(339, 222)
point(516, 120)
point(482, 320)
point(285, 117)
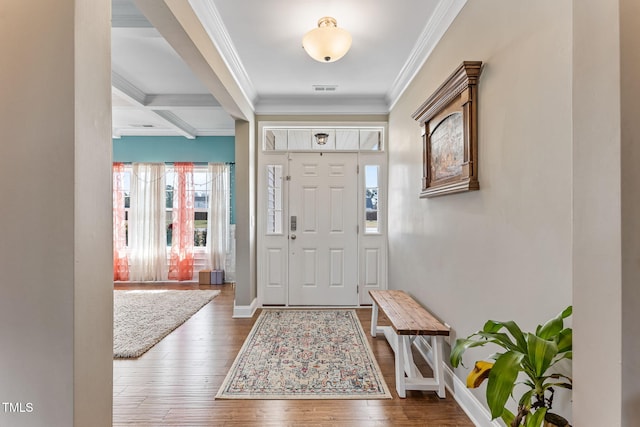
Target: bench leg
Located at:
point(400, 364)
point(374, 319)
point(436, 346)
point(409, 365)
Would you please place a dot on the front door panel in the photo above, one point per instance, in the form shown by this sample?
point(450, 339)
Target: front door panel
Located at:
point(323, 241)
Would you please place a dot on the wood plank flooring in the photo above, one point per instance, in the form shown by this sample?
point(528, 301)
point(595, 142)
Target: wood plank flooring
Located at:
point(175, 382)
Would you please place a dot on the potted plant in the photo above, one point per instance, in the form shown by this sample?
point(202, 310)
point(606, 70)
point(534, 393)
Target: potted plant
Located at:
point(534, 355)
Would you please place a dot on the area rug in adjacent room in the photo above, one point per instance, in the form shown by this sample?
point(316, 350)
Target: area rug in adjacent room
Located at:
point(305, 354)
point(142, 318)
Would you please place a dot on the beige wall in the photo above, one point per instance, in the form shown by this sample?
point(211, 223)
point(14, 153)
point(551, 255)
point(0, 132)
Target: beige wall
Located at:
point(55, 175)
point(606, 225)
point(596, 219)
point(607, 206)
point(630, 155)
point(503, 252)
point(245, 288)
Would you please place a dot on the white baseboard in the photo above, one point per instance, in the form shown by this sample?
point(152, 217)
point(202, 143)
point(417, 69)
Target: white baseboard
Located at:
point(244, 311)
point(478, 414)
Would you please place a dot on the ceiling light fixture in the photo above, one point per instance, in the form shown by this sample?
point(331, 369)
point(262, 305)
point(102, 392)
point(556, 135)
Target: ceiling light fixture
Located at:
point(327, 43)
point(321, 138)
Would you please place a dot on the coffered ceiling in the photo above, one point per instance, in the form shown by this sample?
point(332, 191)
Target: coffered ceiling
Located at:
point(155, 91)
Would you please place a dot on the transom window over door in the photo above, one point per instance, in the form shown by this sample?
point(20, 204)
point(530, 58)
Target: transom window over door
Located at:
point(340, 138)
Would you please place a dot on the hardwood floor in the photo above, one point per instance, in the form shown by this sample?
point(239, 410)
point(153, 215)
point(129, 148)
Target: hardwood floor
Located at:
point(175, 382)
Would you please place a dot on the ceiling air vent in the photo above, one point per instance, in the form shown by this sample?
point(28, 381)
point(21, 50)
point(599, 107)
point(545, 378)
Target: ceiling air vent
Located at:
point(324, 88)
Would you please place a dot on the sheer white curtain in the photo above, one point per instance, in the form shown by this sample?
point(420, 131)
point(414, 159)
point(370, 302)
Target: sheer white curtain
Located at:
point(147, 223)
point(218, 217)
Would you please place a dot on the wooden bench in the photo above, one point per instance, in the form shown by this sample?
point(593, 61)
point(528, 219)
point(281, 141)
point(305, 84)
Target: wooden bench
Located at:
point(408, 321)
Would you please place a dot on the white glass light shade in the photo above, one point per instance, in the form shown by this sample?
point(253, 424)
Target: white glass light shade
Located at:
point(327, 43)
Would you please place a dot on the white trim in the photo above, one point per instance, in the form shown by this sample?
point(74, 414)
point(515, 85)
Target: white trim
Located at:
point(214, 26)
point(474, 409)
point(442, 18)
point(244, 311)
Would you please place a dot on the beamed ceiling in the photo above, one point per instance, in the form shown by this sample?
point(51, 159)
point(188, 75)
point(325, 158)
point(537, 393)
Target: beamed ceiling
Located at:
point(155, 86)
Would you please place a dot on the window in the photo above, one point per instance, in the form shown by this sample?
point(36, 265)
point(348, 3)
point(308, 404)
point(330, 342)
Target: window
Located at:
point(372, 208)
point(201, 181)
point(274, 199)
point(169, 179)
point(200, 205)
point(339, 138)
point(126, 189)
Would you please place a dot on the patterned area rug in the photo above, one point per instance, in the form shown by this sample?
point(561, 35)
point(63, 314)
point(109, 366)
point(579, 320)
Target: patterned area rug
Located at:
point(305, 354)
point(142, 318)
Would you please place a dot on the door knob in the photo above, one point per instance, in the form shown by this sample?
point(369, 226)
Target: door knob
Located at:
point(293, 237)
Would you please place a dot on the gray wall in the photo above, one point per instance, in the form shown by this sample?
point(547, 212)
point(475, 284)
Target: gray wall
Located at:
point(503, 252)
point(55, 182)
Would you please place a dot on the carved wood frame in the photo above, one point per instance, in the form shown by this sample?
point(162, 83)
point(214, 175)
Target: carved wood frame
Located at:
point(458, 94)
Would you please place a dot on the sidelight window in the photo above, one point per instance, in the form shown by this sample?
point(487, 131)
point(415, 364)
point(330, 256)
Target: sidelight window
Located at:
point(274, 199)
point(371, 198)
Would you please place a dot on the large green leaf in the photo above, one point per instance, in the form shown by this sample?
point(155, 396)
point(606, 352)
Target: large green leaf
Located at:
point(507, 416)
point(535, 419)
point(502, 378)
point(553, 326)
point(568, 355)
point(565, 340)
point(525, 400)
point(461, 345)
point(541, 353)
point(515, 331)
point(499, 338)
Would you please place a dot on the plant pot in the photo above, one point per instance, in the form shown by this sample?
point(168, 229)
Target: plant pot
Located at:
point(554, 420)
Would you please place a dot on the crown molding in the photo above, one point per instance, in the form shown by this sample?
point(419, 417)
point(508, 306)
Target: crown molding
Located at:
point(321, 104)
point(442, 17)
point(214, 26)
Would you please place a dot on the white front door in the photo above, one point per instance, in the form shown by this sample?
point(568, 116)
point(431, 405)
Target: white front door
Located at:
point(323, 235)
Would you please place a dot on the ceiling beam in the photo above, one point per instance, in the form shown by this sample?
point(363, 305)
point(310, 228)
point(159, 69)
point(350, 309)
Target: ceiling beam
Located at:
point(125, 15)
point(178, 24)
point(135, 96)
point(177, 123)
point(164, 102)
point(128, 90)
